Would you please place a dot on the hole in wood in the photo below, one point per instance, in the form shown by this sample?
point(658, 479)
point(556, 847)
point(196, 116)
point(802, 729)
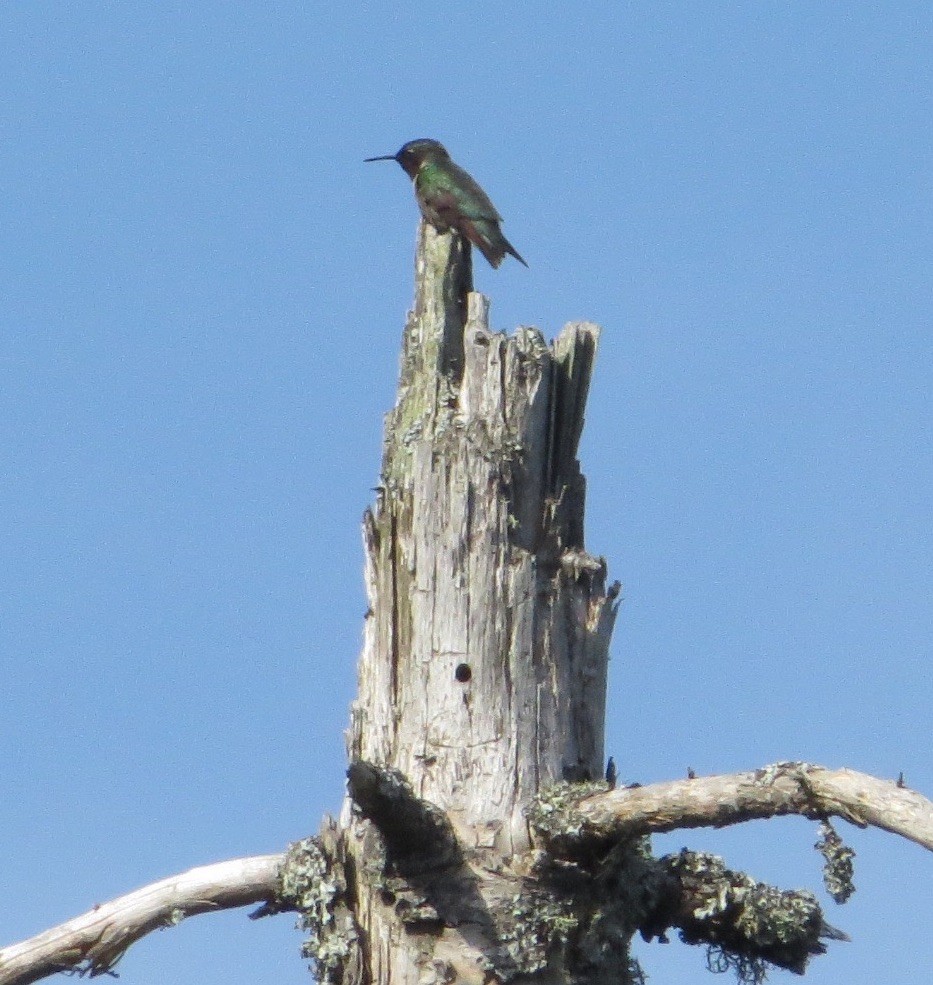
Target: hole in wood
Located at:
point(463, 673)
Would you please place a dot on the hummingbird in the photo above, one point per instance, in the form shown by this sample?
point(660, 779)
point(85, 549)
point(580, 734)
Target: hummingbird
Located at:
point(450, 199)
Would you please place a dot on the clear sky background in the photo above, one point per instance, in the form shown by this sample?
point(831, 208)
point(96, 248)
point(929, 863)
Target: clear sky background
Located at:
point(202, 292)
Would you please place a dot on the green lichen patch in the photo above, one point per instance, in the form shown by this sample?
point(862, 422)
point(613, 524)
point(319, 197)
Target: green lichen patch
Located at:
point(838, 869)
point(554, 816)
point(580, 917)
point(745, 923)
point(541, 924)
point(312, 884)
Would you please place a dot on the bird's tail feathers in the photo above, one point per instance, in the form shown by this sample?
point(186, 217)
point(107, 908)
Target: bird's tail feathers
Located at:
point(487, 237)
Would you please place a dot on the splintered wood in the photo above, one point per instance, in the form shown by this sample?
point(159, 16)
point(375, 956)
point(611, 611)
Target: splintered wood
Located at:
point(483, 673)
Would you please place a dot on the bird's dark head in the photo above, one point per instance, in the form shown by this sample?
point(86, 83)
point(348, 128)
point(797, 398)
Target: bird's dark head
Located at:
point(413, 154)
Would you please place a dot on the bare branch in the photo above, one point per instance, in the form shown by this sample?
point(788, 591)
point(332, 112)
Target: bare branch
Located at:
point(94, 942)
point(603, 818)
point(568, 826)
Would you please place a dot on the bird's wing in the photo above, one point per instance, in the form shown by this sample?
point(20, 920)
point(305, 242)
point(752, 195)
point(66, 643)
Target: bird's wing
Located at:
point(451, 192)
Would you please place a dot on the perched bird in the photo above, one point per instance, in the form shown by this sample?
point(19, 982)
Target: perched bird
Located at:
point(450, 199)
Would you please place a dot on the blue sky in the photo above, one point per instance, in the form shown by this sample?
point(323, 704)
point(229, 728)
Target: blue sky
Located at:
point(203, 290)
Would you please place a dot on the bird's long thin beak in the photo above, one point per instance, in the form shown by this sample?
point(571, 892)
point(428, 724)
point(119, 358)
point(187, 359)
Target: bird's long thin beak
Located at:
point(384, 157)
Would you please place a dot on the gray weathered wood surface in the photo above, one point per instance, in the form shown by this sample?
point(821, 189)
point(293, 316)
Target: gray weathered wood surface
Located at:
point(483, 673)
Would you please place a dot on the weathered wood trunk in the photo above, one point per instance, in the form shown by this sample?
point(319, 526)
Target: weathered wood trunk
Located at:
point(483, 673)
